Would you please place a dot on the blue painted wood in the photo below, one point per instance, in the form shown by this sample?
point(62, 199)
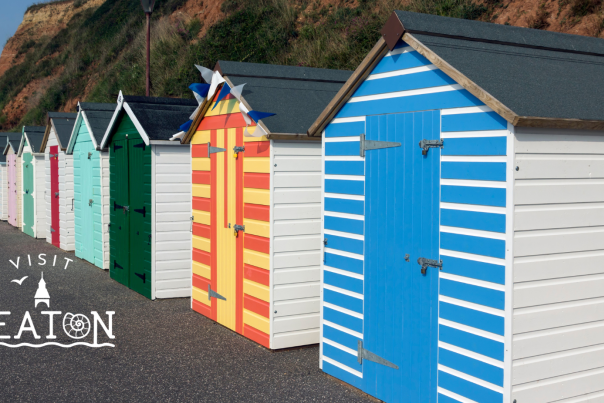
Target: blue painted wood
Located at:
point(343, 263)
point(469, 268)
point(342, 319)
point(84, 181)
point(470, 366)
point(399, 62)
point(487, 146)
point(473, 244)
point(471, 317)
point(468, 389)
point(473, 195)
point(344, 282)
point(480, 171)
point(344, 187)
point(344, 168)
point(343, 375)
point(442, 100)
point(343, 300)
point(473, 293)
point(344, 244)
point(425, 79)
point(341, 356)
point(344, 225)
point(473, 121)
point(343, 148)
point(345, 129)
point(446, 399)
point(344, 206)
point(472, 342)
point(401, 215)
point(340, 337)
point(473, 220)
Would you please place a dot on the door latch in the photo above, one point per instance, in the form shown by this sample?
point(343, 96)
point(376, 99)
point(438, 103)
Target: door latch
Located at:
point(427, 144)
point(238, 228)
point(369, 356)
point(90, 201)
point(237, 150)
point(214, 150)
point(89, 155)
point(425, 263)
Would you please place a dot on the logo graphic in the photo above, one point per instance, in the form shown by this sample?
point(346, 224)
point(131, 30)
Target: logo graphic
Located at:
point(42, 295)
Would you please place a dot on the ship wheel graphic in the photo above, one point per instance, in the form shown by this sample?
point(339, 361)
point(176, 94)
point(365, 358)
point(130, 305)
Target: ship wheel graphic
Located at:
point(76, 326)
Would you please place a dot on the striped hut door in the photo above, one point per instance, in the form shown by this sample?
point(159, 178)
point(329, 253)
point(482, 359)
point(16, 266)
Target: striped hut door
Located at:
point(54, 196)
point(12, 189)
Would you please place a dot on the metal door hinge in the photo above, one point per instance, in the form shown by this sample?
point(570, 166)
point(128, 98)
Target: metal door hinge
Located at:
point(214, 294)
point(238, 228)
point(116, 265)
point(142, 276)
point(427, 144)
point(52, 229)
point(117, 206)
point(192, 218)
point(237, 150)
point(375, 145)
point(214, 150)
point(140, 145)
point(425, 263)
point(143, 211)
point(369, 356)
point(116, 147)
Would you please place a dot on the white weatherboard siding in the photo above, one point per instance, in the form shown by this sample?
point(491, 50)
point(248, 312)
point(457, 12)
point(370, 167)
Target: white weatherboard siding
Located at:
point(172, 218)
point(296, 243)
point(66, 219)
point(104, 160)
point(3, 192)
point(52, 141)
point(40, 196)
point(558, 344)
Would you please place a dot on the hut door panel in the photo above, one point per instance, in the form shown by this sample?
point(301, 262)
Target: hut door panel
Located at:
point(12, 190)
point(401, 218)
point(28, 199)
point(119, 242)
point(85, 202)
point(54, 196)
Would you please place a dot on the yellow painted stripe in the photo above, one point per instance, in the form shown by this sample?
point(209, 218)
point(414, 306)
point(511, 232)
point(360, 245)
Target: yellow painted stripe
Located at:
point(256, 196)
point(255, 227)
point(202, 270)
point(201, 217)
point(201, 190)
point(223, 107)
point(256, 290)
point(251, 130)
point(201, 137)
point(201, 296)
point(201, 164)
point(257, 164)
point(201, 243)
point(259, 322)
point(257, 259)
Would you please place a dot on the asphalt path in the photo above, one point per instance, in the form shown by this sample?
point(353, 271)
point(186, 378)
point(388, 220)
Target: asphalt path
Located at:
point(163, 350)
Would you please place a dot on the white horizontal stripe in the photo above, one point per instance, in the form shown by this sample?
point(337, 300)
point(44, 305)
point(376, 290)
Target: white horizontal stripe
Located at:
point(478, 184)
point(344, 234)
point(403, 72)
point(345, 215)
point(343, 310)
point(408, 93)
point(471, 256)
point(345, 197)
point(470, 378)
point(343, 329)
point(345, 254)
point(398, 51)
point(348, 120)
point(471, 354)
point(471, 330)
point(455, 396)
point(472, 232)
point(472, 207)
point(342, 366)
point(343, 291)
point(469, 109)
point(456, 158)
point(342, 139)
point(344, 272)
point(472, 281)
point(340, 347)
point(344, 158)
point(471, 305)
point(346, 177)
point(473, 134)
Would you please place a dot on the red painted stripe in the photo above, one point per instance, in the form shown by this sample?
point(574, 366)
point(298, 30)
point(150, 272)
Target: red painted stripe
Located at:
point(229, 95)
point(257, 212)
point(223, 122)
point(256, 305)
point(214, 225)
point(202, 177)
point(240, 239)
point(257, 274)
point(199, 151)
point(257, 181)
point(202, 309)
point(257, 243)
point(202, 230)
point(256, 335)
point(226, 179)
point(258, 149)
point(200, 282)
point(202, 203)
point(203, 257)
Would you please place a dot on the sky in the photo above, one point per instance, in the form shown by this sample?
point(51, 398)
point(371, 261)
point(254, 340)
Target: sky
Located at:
point(11, 15)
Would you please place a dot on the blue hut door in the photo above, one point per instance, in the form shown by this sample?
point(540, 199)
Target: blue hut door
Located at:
point(86, 174)
point(399, 346)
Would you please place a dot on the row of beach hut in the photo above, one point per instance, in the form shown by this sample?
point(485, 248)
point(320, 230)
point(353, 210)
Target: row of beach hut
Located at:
point(434, 219)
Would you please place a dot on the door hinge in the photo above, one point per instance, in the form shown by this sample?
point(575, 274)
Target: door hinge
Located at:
point(52, 229)
point(214, 150)
point(425, 263)
point(192, 218)
point(238, 228)
point(117, 206)
point(142, 276)
point(56, 194)
point(427, 144)
point(237, 150)
point(90, 201)
point(369, 356)
point(116, 147)
point(214, 294)
point(116, 265)
point(89, 155)
point(143, 211)
point(140, 145)
point(375, 145)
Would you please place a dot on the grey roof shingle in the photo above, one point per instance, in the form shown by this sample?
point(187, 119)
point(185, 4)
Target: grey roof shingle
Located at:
point(63, 123)
point(35, 135)
point(98, 116)
point(161, 118)
point(14, 139)
point(3, 142)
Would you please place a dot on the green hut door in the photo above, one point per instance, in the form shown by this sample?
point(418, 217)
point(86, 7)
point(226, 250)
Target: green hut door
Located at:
point(28, 198)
